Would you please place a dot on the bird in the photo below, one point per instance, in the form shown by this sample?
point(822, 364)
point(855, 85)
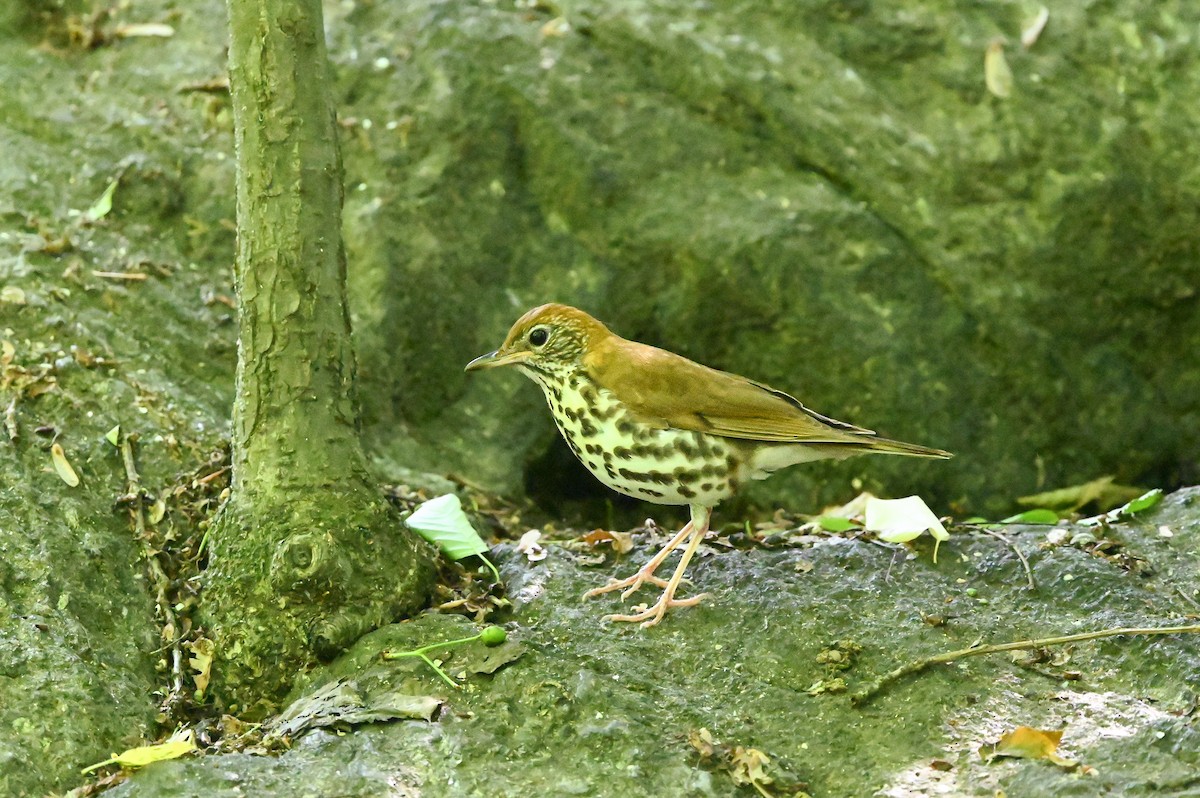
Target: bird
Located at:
point(659, 427)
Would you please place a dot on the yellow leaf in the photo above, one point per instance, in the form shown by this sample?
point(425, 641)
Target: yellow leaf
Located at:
point(201, 662)
point(143, 755)
point(1027, 742)
point(62, 466)
point(996, 73)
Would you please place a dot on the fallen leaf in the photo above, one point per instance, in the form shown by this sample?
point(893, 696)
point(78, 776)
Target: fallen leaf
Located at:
point(12, 295)
point(1033, 29)
point(702, 740)
point(555, 27)
point(833, 523)
point(622, 542)
point(62, 466)
point(144, 29)
point(531, 548)
point(201, 662)
point(1103, 491)
point(902, 520)
point(443, 523)
point(748, 766)
point(1038, 516)
point(490, 660)
point(7, 352)
point(1142, 503)
point(1026, 742)
point(103, 205)
point(340, 703)
point(146, 754)
point(996, 73)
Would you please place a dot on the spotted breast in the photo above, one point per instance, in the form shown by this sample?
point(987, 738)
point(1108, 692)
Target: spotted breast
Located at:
point(664, 466)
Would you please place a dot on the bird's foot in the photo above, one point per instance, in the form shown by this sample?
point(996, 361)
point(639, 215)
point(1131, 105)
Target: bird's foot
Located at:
point(652, 615)
point(631, 584)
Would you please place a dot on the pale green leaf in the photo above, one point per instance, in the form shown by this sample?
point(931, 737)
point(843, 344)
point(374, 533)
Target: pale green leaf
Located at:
point(443, 523)
point(113, 436)
point(1039, 515)
point(1143, 502)
point(833, 523)
point(103, 205)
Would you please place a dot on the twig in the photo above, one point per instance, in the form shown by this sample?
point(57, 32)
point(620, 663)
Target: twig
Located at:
point(1017, 551)
point(136, 276)
point(870, 691)
point(162, 583)
point(1187, 598)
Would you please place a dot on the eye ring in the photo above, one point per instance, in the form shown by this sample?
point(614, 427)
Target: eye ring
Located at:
point(538, 336)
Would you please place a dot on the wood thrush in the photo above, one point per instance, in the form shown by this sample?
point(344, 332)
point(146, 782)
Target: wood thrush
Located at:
point(656, 426)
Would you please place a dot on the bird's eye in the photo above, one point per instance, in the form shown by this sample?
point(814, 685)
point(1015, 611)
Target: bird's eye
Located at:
point(538, 336)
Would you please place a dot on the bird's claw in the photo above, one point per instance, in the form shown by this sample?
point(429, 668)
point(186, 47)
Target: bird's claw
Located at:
point(631, 585)
point(652, 615)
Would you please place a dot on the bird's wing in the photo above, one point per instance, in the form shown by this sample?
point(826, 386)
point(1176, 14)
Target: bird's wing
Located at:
point(668, 390)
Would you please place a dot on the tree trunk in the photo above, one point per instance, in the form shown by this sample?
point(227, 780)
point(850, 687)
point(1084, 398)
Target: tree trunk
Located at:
point(306, 554)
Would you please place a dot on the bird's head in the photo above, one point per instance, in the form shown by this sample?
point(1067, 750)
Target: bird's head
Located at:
point(547, 340)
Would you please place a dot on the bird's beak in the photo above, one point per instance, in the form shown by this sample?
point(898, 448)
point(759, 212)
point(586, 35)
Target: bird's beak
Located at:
point(493, 359)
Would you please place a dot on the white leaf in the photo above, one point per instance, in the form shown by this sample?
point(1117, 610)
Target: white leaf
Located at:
point(902, 520)
point(443, 523)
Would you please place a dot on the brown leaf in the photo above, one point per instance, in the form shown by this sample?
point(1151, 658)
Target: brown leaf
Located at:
point(748, 766)
point(622, 542)
point(702, 740)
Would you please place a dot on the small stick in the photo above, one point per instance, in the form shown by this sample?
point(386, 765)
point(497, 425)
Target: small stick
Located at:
point(916, 666)
point(137, 276)
point(162, 583)
point(1017, 551)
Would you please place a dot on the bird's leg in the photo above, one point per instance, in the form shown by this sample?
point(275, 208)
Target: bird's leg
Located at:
point(652, 615)
point(646, 572)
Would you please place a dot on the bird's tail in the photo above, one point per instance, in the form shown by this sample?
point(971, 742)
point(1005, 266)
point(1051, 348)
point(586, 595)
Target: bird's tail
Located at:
point(867, 444)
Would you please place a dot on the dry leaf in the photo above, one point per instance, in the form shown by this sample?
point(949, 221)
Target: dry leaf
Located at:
point(748, 766)
point(622, 542)
point(996, 73)
point(62, 466)
point(7, 352)
point(12, 295)
point(702, 740)
point(530, 547)
point(1026, 742)
point(201, 662)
